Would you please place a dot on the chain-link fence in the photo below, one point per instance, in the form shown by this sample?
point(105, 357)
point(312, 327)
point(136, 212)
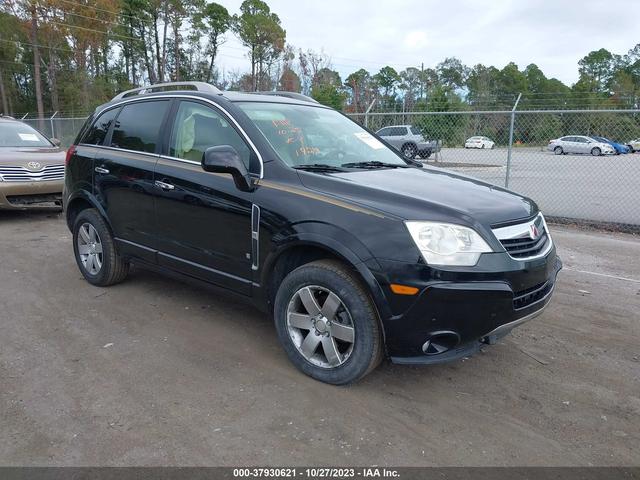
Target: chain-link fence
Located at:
point(579, 180)
point(512, 149)
point(64, 129)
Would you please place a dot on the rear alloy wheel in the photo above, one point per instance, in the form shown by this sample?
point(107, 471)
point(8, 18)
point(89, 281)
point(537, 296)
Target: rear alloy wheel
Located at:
point(327, 323)
point(558, 151)
point(596, 152)
point(482, 146)
point(409, 151)
point(95, 250)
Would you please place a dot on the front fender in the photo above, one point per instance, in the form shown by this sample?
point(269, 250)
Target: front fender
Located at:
point(338, 242)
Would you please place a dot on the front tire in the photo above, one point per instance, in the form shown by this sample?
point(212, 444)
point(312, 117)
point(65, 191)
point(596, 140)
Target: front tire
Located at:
point(409, 151)
point(327, 323)
point(596, 152)
point(558, 151)
point(95, 251)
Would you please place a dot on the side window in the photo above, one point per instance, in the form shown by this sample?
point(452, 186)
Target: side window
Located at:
point(198, 127)
point(399, 131)
point(98, 131)
point(384, 132)
point(138, 126)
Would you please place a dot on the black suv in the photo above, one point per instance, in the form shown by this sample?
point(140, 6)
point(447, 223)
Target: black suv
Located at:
point(357, 252)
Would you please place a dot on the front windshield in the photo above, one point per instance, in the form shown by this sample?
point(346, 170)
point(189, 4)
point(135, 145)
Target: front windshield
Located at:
point(17, 134)
point(306, 135)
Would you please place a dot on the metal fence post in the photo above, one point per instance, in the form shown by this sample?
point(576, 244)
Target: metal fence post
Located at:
point(513, 119)
point(53, 132)
point(366, 114)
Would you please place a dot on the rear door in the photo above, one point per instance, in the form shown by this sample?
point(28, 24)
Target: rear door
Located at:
point(124, 174)
point(203, 220)
point(396, 136)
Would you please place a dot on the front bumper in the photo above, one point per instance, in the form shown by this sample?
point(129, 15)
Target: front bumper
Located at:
point(27, 195)
point(457, 312)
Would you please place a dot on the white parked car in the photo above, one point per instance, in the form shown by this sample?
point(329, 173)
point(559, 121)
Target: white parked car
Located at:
point(479, 142)
point(634, 145)
point(580, 144)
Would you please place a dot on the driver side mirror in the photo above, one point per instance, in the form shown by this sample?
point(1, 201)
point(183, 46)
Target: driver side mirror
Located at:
point(56, 142)
point(225, 159)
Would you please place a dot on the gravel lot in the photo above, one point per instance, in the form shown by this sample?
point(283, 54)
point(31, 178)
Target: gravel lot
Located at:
point(156, 372)
point(575, 186)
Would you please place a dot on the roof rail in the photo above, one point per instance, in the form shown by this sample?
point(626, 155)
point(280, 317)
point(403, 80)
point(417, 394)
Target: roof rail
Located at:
point(198, 86)
point(2, 115)
point(294, 95)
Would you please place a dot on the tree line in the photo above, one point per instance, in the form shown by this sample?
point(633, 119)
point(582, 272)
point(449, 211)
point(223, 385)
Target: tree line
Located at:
point(72, 55)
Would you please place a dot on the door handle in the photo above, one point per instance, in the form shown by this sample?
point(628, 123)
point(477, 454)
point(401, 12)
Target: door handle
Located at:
point(163, 185)
point(101, 170)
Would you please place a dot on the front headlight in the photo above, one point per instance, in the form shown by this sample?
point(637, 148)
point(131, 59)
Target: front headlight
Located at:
point(447, 244)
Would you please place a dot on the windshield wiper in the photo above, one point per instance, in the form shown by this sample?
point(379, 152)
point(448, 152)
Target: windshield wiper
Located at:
point(319, 167)
point(374, 164)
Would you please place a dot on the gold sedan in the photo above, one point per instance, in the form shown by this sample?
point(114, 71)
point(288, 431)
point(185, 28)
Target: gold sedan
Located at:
point(31, 167)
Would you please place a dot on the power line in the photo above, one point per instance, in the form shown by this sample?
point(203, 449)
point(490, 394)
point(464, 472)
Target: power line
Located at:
point(100, 9)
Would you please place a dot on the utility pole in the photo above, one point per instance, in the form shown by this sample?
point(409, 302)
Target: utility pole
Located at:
point(513, 119)
point(421, 80)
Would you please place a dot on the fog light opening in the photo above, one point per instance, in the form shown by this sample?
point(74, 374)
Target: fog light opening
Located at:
point(440, 342)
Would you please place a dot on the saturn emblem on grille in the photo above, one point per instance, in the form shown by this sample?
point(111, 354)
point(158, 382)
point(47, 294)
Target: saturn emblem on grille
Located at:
point(33, 165)
point(533, 232)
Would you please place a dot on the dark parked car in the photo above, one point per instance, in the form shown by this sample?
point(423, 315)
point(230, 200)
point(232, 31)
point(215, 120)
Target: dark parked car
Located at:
point(357, 252)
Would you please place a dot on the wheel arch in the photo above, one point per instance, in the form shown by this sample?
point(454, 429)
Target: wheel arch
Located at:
point(307, 248)
point(80, 201)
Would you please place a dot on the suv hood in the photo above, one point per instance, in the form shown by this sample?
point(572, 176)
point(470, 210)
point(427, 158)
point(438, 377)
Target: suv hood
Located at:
point(424, 194)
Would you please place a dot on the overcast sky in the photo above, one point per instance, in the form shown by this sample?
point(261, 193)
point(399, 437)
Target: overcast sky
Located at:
point(401, 33)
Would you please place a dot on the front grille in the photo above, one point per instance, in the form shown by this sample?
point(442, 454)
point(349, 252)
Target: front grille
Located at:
point(22, 174)
point(525, 247)
point(524, 298)
point(525, 240)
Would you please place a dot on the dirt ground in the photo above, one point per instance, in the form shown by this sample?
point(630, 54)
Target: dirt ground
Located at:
point(157, 372)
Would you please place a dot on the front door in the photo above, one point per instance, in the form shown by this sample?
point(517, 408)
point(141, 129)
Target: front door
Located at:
point(123, 174)
point(203, 220)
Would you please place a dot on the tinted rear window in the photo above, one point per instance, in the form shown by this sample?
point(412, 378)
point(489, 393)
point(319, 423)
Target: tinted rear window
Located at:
point(98, 131)
point(138, 126)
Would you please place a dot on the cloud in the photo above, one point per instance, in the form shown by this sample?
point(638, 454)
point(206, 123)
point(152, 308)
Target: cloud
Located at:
point(553, 34)
point(416, 39)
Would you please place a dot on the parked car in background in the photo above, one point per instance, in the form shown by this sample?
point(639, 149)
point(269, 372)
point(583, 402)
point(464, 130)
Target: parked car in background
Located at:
point(409, 140)
point(479, 142)
point(31, 167)
point(618, 147)
point(356, 251)
point(634, 145)
point(580, 144)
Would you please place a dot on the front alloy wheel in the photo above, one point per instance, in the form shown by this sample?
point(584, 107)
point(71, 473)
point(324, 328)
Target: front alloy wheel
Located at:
point(327, 322)
point(320, 326)
point(409, 151)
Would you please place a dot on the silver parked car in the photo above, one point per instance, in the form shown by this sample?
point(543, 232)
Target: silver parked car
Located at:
point(580, 144)
point(409, 140)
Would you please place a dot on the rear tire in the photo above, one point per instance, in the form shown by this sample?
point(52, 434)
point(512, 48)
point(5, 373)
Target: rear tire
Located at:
point(95, 250)
point(596, 152)
point(310, 331)
point(558, 151)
